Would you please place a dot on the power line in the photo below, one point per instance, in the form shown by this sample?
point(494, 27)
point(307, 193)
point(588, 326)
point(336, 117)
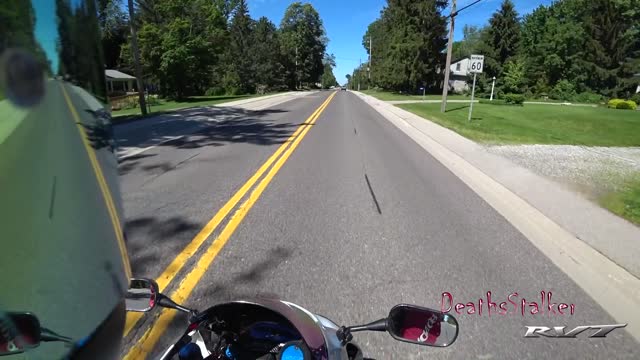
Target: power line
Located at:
point(456, 12)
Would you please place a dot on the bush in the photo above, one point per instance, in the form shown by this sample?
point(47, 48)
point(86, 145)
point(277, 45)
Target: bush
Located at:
point(563, 90)
point(613, 103)
point(627, 105)
point(622, 104)
point(636, 98)
point(514, 99)
point(215, 91)
point(496, 102)
point(587, 97)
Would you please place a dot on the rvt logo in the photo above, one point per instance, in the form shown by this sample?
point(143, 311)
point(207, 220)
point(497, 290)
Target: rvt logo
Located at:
point(559, 332)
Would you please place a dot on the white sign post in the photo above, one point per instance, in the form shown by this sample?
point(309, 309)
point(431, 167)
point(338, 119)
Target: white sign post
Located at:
point(476, 65)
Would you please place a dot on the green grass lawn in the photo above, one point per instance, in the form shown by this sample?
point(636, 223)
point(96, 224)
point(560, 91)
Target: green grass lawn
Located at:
point(170, 105)
point(392, 96)
point(626, 202)
point(537, 124)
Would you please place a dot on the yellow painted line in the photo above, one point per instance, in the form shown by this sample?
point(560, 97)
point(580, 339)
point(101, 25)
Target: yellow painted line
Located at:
point(146, 343)
point(104, 188)
point(174, 267)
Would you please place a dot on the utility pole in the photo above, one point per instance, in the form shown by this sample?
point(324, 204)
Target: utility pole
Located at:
point(359, 75)
point(370, 56)
point(296, 65)
point(447, 68)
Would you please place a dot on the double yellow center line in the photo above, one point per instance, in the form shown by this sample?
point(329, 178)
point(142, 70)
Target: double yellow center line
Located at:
point(152, 335)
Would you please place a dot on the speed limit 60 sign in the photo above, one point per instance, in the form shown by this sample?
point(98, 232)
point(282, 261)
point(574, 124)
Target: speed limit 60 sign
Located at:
point(476, 64)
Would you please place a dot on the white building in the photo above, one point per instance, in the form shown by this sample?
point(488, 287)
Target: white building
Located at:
point(458, 76)
point(119, 81)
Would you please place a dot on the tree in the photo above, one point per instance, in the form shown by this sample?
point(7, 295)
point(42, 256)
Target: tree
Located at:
point(241, 55)
point(469, 44)
point(503, 35)
point(413, 38)
point(328, 79)
point(588, 46)
point(375, 41)
point(269, 71)
point(612, 45)
point(181, 45)
point(114, 26)
point(136, 59)
point(303, 44)
point(17, 29)
point(514, 77)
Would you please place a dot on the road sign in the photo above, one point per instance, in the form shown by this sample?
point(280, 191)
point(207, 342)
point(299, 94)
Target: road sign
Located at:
point(476, 64)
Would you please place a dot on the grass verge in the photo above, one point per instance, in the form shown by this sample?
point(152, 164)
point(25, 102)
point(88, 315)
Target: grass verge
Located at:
point(625, 202)
point(393, 96)
point(165, 106)
point(537, 124)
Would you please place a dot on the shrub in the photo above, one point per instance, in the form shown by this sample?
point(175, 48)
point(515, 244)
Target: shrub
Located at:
point(588, 97)
point(563, 90)
point(613, 103)
point(636, 98)
point(215, 91)
point(493, 102)
point(622, 104)
point(627, 105)
point(514, 99)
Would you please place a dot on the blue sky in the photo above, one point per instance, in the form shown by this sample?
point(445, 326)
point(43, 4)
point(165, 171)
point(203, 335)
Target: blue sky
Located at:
point(346, 22)
point(46, 30)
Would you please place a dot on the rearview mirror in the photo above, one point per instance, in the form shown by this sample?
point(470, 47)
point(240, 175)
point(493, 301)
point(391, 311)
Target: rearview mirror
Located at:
point(142, 294)
point(18, 332)
point(422, 326)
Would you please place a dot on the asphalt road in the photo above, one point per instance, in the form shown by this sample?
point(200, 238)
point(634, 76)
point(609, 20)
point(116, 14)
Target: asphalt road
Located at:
point(358, 219)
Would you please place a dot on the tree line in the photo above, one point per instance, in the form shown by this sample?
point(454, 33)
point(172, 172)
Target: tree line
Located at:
point(407, 41)
point(214, 47)
point(570, 49)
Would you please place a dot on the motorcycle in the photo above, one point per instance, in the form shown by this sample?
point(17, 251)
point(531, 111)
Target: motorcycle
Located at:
point(273, 329)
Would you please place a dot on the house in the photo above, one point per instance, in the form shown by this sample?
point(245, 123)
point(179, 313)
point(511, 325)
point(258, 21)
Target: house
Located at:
point(458, 76)
point(119, 82)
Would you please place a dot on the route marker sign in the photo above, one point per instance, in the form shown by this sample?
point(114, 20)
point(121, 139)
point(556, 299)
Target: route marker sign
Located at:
point(476, 65)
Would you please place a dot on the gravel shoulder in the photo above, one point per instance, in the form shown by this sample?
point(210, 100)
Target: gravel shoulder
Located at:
point(592, 171)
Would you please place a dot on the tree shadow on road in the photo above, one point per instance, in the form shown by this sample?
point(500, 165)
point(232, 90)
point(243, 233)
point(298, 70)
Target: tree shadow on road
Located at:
point(198, 128)
point(148, 240)
point(212, 126)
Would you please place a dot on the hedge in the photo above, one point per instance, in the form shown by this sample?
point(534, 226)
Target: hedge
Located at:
point(622, 104)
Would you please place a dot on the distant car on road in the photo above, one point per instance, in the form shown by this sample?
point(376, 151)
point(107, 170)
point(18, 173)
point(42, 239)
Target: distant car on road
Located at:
point(343, 88)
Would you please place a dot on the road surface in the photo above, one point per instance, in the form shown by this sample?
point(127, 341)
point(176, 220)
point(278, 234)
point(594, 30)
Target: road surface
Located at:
point(357, 219)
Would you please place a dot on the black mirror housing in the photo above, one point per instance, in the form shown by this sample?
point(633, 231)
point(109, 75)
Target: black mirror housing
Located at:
point(20, 332)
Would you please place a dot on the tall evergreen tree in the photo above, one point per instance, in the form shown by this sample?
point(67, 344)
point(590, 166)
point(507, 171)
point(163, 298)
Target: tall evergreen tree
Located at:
point(241, 60)
point(416, 40)
point(504, 35)
point(269, 70)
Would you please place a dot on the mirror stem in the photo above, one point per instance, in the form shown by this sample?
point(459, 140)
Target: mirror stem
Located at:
point(378, 325)
point(167, 302)
point(48, 335)
point(344, 333)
